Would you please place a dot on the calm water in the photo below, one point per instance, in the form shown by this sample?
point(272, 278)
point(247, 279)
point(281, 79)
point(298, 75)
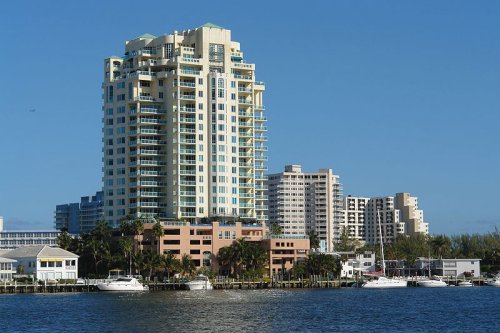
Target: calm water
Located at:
point(412, 309)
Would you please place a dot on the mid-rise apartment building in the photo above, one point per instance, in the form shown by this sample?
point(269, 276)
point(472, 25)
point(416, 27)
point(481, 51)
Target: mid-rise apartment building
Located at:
point(80, 217)
point(411, 215)
point(184, 129)
point(302, 201)
point(202, 241)
point(398, 215)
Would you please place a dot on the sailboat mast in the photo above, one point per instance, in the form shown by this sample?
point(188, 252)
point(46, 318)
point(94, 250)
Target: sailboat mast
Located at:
point(381, 241)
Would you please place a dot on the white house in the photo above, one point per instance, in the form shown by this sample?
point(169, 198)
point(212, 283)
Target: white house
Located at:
point(359, 263)
point(6, 269)
point(451, 267)
point(45, 262)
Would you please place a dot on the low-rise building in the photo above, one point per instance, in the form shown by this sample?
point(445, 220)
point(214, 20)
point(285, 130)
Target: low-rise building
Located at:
point(459, 268)
point(356, 263)
point(20, 238)
point(44, 262)
point(6, 269)
point(285, 251)
point(203, 242)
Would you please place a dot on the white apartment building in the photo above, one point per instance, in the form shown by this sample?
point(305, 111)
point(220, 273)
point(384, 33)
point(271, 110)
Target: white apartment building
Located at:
point(302, 201)
point(184, 129)
point(398, 216)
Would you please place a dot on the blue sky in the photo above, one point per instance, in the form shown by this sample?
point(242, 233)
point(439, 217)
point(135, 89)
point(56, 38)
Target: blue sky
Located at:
point(392, 95)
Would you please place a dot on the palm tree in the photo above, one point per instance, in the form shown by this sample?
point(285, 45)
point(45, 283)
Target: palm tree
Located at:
point(157, 233)
point(187, 265)
point(138, 228)
point(127, 246)
point(152, 261)
point(440, 245)
point(224, 259)
point(170, 263)
point(313, 239)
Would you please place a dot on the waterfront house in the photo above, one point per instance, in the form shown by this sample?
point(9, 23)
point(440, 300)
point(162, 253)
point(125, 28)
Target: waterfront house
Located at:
point(356, 263)
point(450, 267)
point(44, 262)
point(6, 269)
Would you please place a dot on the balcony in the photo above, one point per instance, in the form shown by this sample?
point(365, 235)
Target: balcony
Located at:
point(241, 154)
point(245, 124)
point(187, 120)
point(187, 151)
point(187, 182)
point(245, 101)
point(187, 84)
point(246, 134)
point(187, 172)
point(187, 162)
point(261, 128)
point(246, 144)
point(187, 97)
point(144, 99)
point(187, 130)
point(260, 118)
point(187, 193)
point(187, 109)
point(152, 110)
point(189, 72)
point(243, 77)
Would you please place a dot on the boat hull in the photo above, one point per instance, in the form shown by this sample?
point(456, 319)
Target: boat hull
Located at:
point(385, 283)
point(432, 284)
point(109, 286)
point(199, 285)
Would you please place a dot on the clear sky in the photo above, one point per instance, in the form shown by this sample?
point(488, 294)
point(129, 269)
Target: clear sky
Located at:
point(392, 95)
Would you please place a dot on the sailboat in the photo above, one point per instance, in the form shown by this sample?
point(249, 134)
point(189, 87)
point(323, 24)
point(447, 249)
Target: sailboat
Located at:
point(383, 281)
point(431, 282)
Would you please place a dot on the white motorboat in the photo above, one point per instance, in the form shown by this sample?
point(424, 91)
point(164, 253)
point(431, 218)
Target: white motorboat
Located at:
point(432, 283)
point(465, 283)
point(493, 283)
point(200, 282)
point(383, 281)
point(125, 283)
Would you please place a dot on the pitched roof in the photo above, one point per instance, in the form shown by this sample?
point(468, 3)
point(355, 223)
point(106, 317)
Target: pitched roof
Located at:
point(39, 251)
point(211, 25)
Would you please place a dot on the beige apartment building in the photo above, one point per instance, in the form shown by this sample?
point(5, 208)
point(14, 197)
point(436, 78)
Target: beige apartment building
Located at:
point(302, 201)
point(184, 129)
point(411, 215)
point(398, 216)
point(203, 241)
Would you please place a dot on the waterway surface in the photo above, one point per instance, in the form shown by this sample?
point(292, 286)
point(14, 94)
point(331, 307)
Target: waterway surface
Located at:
point(451, 309)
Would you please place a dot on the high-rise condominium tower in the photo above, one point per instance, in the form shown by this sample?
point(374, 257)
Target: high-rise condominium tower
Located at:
point(184, 129)
point(303, 201)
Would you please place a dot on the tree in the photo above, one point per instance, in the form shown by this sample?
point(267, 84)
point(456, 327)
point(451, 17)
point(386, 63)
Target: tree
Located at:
point(275, 229)
point(138, 228)
point(321, 264)
point(187, 265)
point(64, 239)
point(157, 233)
point(170, 263)
point(314, 242)
point(152, 261)
point(345, 243)
point(440, 245)
point(127, 246)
